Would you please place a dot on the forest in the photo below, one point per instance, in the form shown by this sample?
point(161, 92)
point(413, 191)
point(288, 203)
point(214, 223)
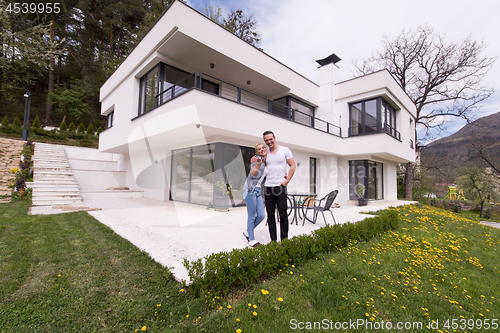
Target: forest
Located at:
point(63, 53)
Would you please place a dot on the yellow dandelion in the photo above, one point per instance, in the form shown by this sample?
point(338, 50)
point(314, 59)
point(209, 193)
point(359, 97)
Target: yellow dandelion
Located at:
point(255, 306)
point(229, 306)
point(187, 316)
point(280, 299)
point(182, 290)
point(143, 328)
point(254, 313)
point(238, 331)
point(158, 304)
point(237, 319)
point(264, 292)
point(249, 304)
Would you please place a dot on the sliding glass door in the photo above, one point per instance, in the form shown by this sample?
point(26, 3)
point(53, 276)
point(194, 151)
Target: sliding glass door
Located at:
point(369, 174)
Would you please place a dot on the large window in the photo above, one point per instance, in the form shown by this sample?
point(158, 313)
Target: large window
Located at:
point(369, 174)
point(164, 82)
point(293, 109)
point(202, 174)
point(372, 116)
point(149, 88)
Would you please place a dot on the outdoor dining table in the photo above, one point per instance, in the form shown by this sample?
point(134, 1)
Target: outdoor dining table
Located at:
point(298, 199)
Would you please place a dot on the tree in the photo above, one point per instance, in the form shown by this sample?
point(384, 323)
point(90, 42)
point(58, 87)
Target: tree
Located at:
point(242, 26)
point(213, 14)
point(70, 102)
point(236, 22)
point(443, 79)
point(479, 184)
point(24, 52)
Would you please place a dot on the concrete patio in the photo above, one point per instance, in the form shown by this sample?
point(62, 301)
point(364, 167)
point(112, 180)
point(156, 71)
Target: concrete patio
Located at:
point(171, 231)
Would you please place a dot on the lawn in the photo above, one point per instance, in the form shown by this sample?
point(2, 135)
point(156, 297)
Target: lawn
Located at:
point(438, 272)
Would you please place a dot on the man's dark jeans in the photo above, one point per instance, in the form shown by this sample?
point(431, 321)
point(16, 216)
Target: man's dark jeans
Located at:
point(276, 196)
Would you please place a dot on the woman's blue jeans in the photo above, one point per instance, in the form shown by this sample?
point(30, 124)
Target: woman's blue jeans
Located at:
point(255, 210)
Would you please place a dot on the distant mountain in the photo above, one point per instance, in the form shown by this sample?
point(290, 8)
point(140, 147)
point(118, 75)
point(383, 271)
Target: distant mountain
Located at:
point(457, 150)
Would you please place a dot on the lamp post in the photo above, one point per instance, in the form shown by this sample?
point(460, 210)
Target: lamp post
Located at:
point(27, 106)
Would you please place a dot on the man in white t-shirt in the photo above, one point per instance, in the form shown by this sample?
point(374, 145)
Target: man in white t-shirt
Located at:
point(275, 193)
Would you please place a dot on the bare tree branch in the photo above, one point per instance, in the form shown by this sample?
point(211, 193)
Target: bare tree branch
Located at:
point(443, 79)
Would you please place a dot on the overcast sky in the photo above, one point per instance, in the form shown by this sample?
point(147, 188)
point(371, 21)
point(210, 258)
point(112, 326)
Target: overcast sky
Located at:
point(298, 32)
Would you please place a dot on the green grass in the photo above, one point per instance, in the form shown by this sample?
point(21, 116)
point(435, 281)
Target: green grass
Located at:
point(69, 273)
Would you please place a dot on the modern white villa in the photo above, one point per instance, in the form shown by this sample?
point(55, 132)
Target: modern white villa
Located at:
point(187, 106)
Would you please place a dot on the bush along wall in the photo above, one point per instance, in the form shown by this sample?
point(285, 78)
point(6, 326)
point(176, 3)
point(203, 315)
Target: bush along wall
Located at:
point(221, 273)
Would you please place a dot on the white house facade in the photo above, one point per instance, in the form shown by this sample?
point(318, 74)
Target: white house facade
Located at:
point(187, 106)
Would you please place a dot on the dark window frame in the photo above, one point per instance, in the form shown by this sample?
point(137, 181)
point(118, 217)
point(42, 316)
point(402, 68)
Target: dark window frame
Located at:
point(386, 116)
point(367, 166)
point(109, 119)
point(160, 71)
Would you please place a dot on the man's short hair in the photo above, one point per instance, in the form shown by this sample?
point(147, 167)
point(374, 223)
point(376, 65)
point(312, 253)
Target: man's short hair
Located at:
point(268, 132)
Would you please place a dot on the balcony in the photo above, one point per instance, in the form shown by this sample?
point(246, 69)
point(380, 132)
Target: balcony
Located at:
point(222, 89)
point(374, 129)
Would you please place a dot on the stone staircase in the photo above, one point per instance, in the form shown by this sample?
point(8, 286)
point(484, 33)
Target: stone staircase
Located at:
point(53, 180)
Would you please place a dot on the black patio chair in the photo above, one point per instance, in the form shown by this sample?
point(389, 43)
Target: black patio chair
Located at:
point(321, 206)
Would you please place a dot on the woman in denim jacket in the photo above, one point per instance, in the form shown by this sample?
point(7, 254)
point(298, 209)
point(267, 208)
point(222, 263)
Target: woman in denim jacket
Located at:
point(252, 194)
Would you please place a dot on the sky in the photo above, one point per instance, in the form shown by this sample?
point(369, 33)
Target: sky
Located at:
point(298, 32)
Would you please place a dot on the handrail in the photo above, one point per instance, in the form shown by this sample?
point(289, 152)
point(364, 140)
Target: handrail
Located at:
point(246, 97)
point(374, 129)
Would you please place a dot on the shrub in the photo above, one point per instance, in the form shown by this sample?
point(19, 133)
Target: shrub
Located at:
point(99, 130)
point(36, 122)
point(90, 129)
point(71, 127)
point(63, 127)
point(5, 121)
point(81, 128)
point(17, 122)
point(220, 273)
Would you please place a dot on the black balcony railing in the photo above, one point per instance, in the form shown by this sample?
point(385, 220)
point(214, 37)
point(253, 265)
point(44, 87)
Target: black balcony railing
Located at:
point(226, 90)
point(373, 129)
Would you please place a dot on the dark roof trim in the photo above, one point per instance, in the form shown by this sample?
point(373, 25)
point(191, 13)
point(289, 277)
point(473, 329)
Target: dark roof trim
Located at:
point(331, 59)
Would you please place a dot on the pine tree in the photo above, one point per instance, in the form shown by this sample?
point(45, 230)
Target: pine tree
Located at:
point(90, 129)
point(99, 130)
point(36, 122)
point(81, 128)
point(17, 122)
point(71, 127)
point(63, 127)
point(5, 121)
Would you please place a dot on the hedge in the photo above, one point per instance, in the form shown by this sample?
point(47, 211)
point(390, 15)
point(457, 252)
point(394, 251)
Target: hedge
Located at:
point(221, 273)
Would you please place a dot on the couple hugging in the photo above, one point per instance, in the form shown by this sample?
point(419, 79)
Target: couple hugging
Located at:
point(268, 174)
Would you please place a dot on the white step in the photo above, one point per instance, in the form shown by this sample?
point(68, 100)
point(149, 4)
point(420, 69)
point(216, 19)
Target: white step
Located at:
point(52, 173)
point(55, 182)
point(52, 202)
point(107, 194)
